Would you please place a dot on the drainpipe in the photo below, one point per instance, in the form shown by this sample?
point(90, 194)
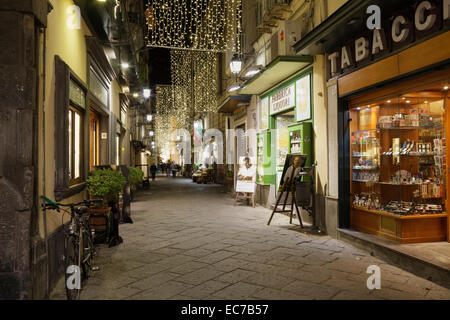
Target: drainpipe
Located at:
point(47, 287)
point(324, 10)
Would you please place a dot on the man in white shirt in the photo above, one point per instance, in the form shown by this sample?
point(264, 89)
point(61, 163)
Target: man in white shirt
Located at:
point(247, 172)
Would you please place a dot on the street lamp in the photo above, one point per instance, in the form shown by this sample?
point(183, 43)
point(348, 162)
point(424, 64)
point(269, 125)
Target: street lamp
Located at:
point(146, 93)
point(236, 64)
point(149, 117)
point(253, 71)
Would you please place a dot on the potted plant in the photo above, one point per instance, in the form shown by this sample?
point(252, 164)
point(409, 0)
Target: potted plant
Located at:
point(135, 178)
point(229, 180)
point(107, 185)
point(229, 176)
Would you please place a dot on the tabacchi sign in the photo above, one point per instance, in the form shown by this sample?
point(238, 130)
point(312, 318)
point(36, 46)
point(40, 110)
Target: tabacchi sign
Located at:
point(395, 33)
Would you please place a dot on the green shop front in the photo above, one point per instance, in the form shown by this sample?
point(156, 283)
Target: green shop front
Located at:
point(286, 121)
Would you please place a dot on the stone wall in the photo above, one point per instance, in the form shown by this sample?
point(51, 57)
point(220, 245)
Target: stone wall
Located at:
point(18, 89)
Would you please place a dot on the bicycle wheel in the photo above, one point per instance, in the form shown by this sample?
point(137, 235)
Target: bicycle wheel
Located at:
point(87, 254)
point(72, 269)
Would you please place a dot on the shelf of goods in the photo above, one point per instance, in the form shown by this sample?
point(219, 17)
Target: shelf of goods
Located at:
point(393, 165)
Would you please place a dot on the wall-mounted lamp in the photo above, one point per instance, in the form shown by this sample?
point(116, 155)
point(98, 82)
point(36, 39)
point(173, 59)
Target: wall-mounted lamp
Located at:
point(253, 71)
point(235, 64)
point(234, 87)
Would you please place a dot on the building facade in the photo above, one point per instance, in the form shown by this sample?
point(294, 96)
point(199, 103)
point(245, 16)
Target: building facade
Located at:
point(67, 111)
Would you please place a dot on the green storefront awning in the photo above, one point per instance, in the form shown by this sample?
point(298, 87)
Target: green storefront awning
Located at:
point(277, 71)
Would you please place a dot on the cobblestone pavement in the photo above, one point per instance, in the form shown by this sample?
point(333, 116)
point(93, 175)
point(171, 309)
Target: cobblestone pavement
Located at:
point(189, 242)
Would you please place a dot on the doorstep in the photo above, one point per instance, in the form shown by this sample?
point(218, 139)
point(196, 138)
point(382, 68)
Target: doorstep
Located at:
point(427, 260)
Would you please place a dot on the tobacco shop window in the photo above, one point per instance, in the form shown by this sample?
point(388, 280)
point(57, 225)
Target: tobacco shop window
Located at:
point(398, 164)
point(75, 128)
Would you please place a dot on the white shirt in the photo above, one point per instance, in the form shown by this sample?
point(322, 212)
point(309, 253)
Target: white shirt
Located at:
point(250, 172)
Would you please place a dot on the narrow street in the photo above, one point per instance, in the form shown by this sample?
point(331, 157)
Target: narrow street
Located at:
point(188, 241)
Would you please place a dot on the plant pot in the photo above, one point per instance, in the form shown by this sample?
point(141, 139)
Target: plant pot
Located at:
point(101, 222)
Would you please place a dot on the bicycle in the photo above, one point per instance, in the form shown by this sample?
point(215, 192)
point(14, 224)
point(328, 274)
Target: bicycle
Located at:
point(78, 244)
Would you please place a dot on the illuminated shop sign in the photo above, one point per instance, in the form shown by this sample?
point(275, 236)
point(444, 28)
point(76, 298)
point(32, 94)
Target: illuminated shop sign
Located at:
point(397, 32)
point(282, 100)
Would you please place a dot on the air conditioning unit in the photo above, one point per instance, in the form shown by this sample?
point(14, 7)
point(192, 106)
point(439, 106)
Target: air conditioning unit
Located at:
point(284, 38)
point(288, 35)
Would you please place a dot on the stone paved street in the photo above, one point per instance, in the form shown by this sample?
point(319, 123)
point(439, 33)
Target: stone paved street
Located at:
point(189, 242)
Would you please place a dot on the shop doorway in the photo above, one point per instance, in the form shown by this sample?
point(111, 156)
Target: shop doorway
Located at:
point(282, 122)
point(94, 139)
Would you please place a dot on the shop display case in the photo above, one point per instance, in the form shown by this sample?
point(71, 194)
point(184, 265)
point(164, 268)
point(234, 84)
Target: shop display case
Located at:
point(398, 169)
point(300, 140)
point(264, 173)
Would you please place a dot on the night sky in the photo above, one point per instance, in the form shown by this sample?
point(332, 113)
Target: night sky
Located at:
point(159, 66)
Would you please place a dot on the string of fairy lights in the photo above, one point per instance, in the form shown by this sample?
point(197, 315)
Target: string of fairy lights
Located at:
point(194, 77)
point(210, 25)
point(195, 31)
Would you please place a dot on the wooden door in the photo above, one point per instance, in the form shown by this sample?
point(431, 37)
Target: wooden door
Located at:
point(94, 125)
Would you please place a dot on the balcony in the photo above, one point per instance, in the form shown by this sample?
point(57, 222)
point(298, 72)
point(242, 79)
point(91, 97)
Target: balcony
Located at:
point(270, 13)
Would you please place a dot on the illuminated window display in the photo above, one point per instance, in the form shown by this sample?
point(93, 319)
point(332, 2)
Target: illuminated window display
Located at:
point(398, 166)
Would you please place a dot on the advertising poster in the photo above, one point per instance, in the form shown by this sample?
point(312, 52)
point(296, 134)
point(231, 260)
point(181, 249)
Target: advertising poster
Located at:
point(265, 113)
point(303, 91)
point(246, 177)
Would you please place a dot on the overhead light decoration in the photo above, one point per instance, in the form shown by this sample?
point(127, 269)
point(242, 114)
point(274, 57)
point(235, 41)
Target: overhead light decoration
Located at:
point(210, 25)
point(194, 79)
point(236, 64)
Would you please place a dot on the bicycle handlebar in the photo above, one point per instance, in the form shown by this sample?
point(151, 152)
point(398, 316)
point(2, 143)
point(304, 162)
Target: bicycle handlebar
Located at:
point(56, 205)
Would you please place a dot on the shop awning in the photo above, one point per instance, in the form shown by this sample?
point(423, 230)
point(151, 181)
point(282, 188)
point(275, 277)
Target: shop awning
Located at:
point(277, 71)
point(232, 102)
point(344, 24)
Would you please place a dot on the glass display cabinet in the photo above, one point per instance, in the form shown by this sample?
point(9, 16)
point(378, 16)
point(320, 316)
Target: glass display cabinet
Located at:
point(398, 167)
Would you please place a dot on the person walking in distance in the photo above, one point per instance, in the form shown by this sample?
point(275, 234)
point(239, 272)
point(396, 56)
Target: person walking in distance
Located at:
point(168, 168)
point(153, 171)
point(174, 168)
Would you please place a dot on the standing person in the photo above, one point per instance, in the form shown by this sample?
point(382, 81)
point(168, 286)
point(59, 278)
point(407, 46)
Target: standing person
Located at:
point(174, 169)
point(168, 168)
point(153, 171)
